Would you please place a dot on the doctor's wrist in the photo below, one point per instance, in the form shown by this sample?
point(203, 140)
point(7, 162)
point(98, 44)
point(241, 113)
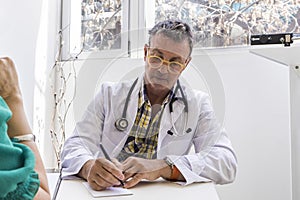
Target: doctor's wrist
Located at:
point(85, 170)
point(166, 170)
point(174, 173)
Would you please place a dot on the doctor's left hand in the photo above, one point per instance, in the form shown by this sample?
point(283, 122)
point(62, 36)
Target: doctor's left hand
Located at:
point(135, 169)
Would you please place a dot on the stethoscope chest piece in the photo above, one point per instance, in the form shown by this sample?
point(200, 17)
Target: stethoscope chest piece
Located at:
point(121, 124)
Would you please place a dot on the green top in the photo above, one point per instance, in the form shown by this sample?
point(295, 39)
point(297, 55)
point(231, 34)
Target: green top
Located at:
point(18, 180)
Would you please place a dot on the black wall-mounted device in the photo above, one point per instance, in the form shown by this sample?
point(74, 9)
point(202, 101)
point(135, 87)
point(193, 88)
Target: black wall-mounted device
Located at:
point(281, 38)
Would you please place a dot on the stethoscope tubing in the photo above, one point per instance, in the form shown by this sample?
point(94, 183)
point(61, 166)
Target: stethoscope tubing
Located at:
point(122, 123)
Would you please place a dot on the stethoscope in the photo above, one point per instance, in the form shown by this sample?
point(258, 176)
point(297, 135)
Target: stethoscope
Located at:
point(122, 123)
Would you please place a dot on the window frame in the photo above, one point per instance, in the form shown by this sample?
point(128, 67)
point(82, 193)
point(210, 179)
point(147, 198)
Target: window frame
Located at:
point(71, 31)
point(137, 18)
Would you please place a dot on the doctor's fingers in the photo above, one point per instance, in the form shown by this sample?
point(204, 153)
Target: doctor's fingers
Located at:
point(139, 165)
point(101, 178)
point(134, 164)
point(117, 164)
point(134, 179)
point(128, 175)
point(108, 166)
point(98, 184)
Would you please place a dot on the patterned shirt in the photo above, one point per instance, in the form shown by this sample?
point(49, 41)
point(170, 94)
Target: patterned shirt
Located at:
point(143, 137)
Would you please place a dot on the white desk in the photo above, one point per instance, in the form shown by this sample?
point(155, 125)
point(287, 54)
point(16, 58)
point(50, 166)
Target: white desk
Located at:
point(75, 190)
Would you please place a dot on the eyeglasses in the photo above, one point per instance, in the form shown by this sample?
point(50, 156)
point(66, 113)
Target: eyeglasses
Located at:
point(173, 66)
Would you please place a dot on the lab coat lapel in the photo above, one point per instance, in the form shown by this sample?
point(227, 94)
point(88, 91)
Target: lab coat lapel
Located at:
point(133, 103)
point(130, 115)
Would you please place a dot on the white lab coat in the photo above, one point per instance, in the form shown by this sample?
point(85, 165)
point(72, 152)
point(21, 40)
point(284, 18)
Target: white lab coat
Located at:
point(213, 159)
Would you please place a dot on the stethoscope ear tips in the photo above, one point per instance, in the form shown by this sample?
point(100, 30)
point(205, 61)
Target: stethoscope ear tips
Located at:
point(121, 124)
point(170, 132)
point(188, 130)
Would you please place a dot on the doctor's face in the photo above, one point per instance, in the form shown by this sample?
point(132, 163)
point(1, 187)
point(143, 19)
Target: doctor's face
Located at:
point(165, 59)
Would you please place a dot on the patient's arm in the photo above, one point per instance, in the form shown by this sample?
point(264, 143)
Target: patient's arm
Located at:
point(18, 124)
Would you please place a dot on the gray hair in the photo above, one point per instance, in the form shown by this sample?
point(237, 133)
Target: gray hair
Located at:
point(175, 30)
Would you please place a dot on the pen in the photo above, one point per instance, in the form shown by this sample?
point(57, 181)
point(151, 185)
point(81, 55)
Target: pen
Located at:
point(108, 158)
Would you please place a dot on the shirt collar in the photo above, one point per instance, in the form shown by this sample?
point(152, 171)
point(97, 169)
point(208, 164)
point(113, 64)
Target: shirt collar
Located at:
point(143, 98)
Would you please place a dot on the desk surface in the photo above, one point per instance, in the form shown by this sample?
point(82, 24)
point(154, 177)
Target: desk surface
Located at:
point(74, 189)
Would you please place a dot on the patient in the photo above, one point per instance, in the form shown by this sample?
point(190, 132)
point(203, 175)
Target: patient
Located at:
point(21, 169)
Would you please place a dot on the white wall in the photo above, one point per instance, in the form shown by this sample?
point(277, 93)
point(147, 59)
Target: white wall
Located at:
point(256, 112)
point(295, 128)
point(258, 123)
point(19, 25)
point(28, 35)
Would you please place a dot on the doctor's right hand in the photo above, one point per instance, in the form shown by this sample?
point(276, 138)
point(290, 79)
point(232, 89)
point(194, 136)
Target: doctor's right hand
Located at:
point(101, 173)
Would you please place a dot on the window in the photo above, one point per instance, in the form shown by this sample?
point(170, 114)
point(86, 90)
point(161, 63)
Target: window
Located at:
point(106, 28)
point(221, 23)
point(95, 28)
point(101, 25)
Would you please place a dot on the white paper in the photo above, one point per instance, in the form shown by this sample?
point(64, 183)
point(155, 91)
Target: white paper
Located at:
point(110, 191)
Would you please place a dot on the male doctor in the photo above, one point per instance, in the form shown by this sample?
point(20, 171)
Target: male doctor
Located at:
point(149, 125)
